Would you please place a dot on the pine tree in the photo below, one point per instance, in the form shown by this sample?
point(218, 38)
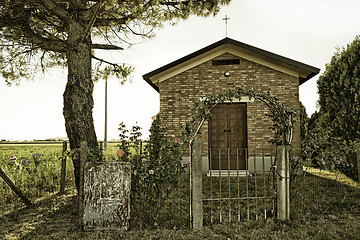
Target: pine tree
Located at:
point(45, 33)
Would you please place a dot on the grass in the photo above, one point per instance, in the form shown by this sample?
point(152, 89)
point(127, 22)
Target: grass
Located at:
point(41, 177)
point(38, 178)
point(251, 206)
point(324, 205)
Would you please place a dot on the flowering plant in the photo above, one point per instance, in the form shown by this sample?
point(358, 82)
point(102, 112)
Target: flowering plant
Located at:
point(155, 170)
point(19, 162)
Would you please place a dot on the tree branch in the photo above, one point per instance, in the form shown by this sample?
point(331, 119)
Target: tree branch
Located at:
point(94, 10)
point(105, 47)
point(92, 14)
point(55, 9)
point(166, 3)
point(45, 43)
point(104, 61)
point(101, 22)
point(117, 35)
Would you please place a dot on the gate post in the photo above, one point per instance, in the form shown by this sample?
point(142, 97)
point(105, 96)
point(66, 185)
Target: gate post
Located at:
point(357, 151)
point(197, 207)
point(283, 183)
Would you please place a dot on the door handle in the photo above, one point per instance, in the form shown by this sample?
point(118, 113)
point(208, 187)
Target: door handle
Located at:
point(227, 130)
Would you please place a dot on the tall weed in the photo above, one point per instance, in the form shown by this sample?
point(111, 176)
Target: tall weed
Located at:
point(34, 169)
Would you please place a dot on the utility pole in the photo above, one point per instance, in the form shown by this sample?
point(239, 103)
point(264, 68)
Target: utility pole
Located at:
point(105, 131)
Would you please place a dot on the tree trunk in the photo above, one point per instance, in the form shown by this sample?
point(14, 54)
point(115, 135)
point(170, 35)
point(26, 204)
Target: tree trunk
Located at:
point(78, 95)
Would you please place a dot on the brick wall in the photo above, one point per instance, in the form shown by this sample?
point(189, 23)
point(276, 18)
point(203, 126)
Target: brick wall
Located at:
point(178, 93)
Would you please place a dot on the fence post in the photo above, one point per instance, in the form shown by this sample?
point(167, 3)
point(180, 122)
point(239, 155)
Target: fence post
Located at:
point(357, 150)
point(197, 207)
point(83, 157)
point(14, 188)
point(283, 182)
point(63, 168)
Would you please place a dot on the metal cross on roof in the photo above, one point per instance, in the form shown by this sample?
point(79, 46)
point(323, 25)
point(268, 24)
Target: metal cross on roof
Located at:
point(226, 20)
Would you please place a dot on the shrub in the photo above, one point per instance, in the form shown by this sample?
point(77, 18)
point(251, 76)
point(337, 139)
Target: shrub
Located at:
point(155, 171)
point(327, 151)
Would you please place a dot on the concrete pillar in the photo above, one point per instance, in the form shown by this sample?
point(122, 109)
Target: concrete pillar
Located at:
point(283, 183)
point(197, 207)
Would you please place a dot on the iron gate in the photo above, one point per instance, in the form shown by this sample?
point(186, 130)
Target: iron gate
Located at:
point(235, 193)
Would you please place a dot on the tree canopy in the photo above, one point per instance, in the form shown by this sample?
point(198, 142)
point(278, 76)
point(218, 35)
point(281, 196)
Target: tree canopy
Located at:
point(333, 132)
point(36, 33)
point(304, 119)
point(339, 91)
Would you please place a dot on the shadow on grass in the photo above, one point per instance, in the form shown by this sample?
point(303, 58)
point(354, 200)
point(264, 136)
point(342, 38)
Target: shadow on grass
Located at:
point(325, 208)
point(56, 213)
point(321, 208)
point(314, 195)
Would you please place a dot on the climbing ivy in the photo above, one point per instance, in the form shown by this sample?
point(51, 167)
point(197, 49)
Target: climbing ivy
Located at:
point(282, 116)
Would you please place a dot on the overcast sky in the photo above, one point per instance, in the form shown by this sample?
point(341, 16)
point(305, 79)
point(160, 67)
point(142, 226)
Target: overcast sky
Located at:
point(307, 31)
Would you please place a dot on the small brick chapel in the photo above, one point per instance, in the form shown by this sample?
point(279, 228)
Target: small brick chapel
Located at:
point(242, 125)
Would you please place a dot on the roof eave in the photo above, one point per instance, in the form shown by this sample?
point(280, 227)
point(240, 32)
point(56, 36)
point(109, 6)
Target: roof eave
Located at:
point(308, 77)
point(307, 68)
point(147, 79)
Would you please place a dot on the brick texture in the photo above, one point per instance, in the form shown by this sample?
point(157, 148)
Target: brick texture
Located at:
point(178, 93)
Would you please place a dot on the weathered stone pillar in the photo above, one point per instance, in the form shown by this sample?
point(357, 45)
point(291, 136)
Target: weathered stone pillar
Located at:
point(107, 195)
point(283, 183)
point(196, 169)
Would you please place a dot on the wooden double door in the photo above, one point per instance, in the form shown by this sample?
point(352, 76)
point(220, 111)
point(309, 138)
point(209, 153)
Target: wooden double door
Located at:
point(228, 137)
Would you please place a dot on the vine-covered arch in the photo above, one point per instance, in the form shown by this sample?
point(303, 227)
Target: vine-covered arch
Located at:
point(282, 116)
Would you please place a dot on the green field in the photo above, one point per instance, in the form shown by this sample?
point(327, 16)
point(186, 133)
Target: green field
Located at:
point(35, 170)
